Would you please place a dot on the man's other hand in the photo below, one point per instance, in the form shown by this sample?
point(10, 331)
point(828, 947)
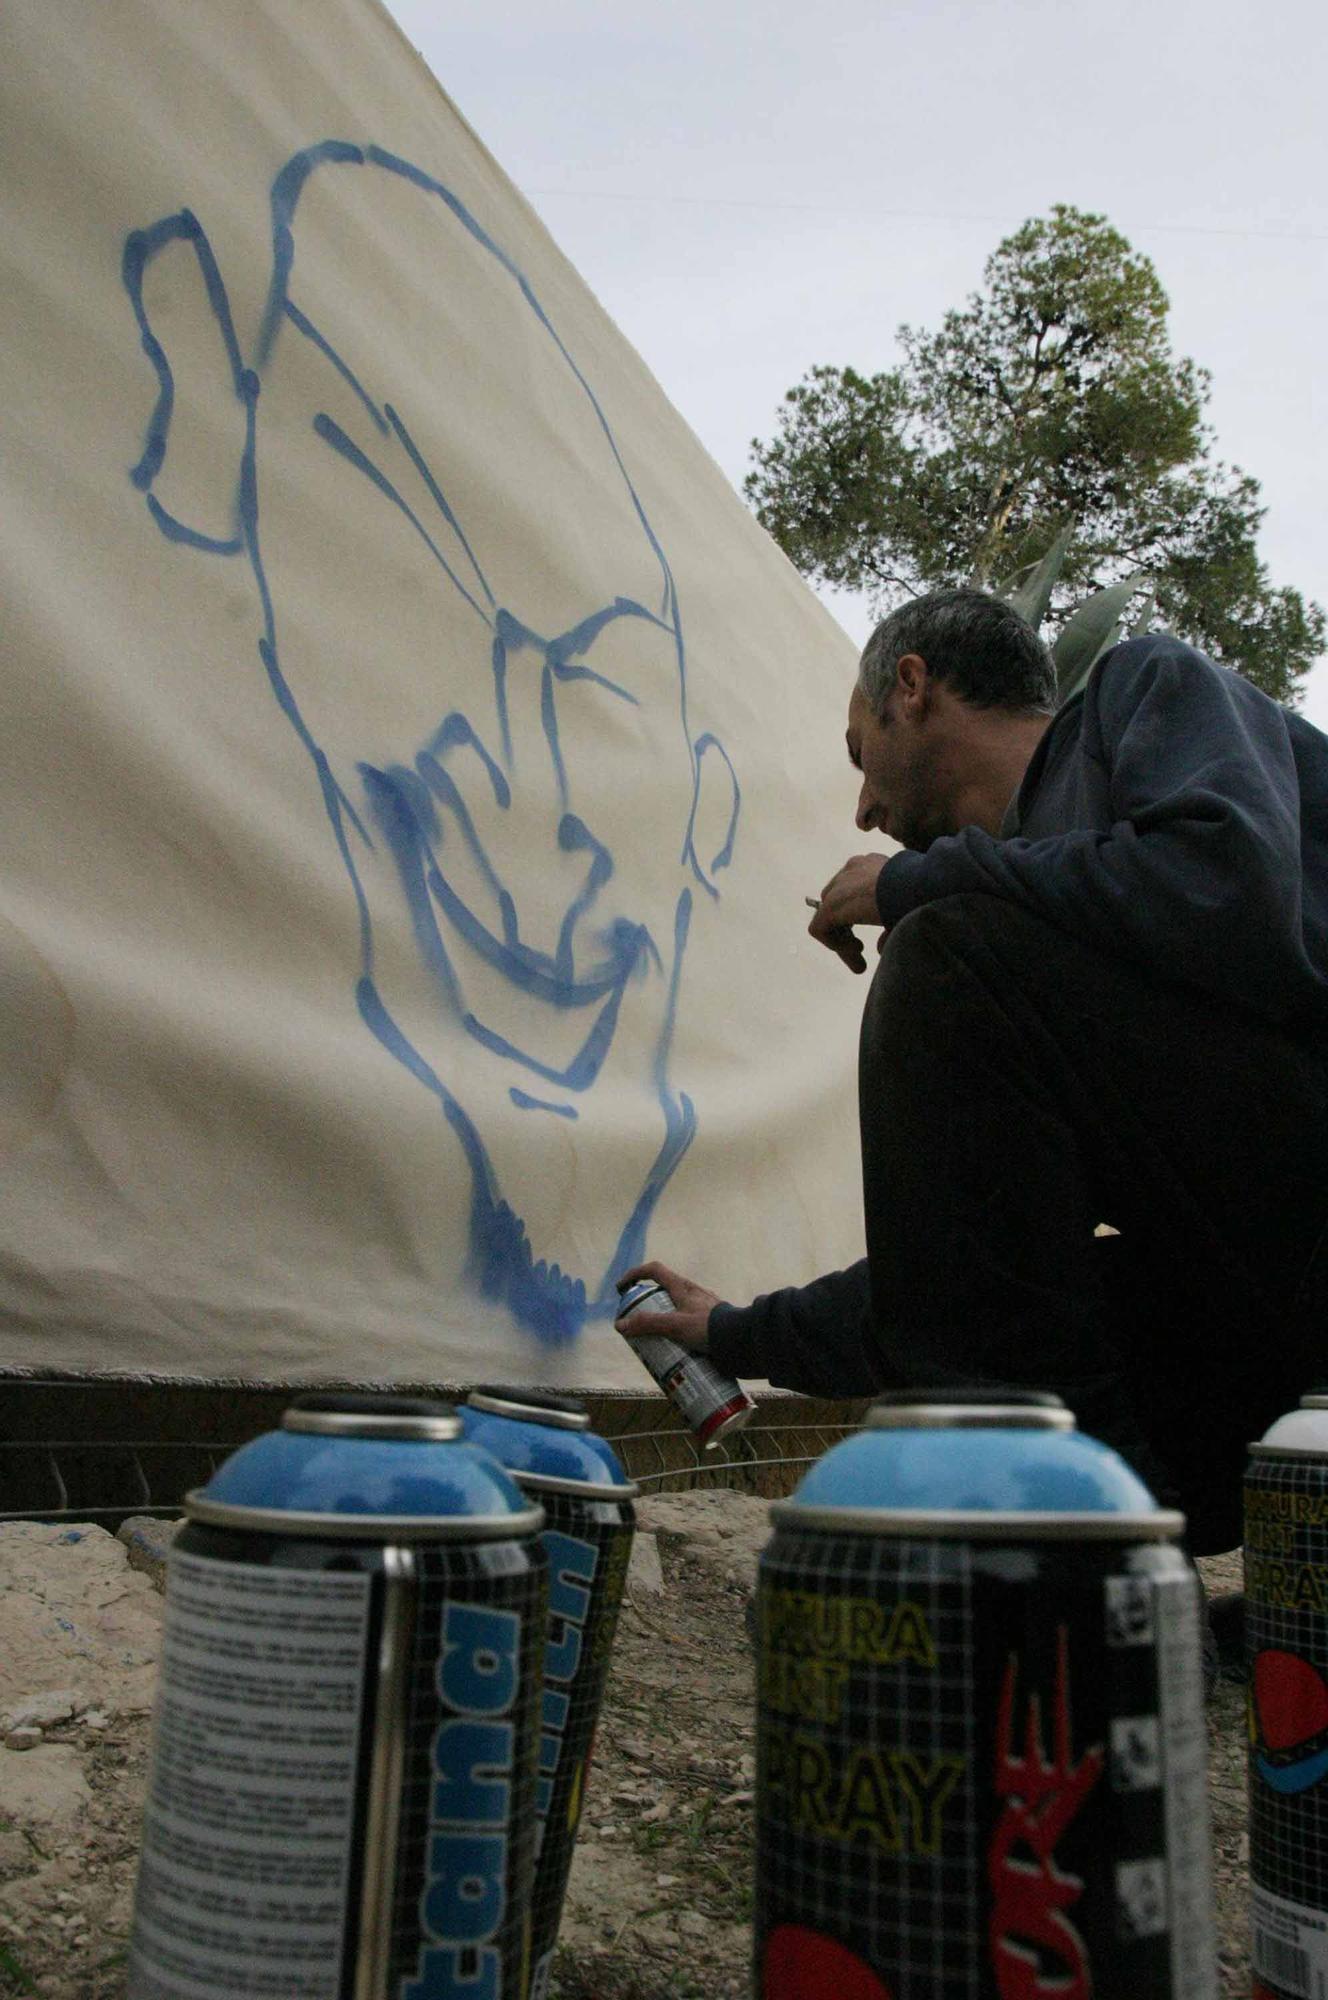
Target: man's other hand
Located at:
point(688, 1323)
point(848, 898)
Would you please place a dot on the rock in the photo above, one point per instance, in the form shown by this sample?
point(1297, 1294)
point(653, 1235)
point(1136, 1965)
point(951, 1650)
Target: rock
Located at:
point(608, 1882)
point(644, 1574)
point(148, 1543)
point(657, 1935)
point(22, 1739)
point(45, 1789)
point(725, 1530)
point(73, 1613)
point(42, 1711)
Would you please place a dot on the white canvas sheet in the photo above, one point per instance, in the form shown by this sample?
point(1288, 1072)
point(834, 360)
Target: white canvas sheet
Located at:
point(415, 754)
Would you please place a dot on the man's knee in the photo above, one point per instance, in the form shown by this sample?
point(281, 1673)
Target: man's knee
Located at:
point(932, 946)
point(956, 923)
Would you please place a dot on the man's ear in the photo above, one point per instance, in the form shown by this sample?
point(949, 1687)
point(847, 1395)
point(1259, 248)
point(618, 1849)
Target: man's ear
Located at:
point(214, 396)
point(913, 679)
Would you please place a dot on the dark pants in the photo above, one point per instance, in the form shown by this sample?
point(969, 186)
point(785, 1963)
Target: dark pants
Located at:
point(1018, 1088)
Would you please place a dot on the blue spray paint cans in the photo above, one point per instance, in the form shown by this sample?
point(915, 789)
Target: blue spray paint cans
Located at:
point(546, 1443)
point(980, 1738)
point(1286, 1643)
point(341, 1799)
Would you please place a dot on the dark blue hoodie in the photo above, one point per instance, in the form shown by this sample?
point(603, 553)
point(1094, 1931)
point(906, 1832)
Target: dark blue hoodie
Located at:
point(1172, 815)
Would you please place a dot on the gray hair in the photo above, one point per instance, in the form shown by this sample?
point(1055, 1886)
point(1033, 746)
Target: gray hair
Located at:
point(977, 644)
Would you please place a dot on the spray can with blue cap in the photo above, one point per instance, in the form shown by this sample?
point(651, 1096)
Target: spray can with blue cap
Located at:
point(1286, 1645)
point(981, 1749)
point(341, 1796)
point(546, 1443)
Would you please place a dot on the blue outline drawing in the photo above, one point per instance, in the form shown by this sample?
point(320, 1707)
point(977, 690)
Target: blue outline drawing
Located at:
point(413, 808)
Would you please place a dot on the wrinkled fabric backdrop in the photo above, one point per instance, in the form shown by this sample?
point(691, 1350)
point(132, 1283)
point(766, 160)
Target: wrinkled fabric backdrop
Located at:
point(415, 754)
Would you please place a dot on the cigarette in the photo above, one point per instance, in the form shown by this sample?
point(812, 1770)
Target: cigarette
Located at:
point(812, 902)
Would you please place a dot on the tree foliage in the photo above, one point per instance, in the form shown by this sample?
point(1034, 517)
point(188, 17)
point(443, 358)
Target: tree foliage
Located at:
point(1051, 398)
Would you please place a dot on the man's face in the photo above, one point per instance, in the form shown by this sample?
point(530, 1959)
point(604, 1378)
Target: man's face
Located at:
point(898, 754)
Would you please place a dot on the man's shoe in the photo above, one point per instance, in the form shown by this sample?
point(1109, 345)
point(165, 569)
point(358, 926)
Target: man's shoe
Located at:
point(1226, 1622)
point(1222, 1638)
point(1208, 1658)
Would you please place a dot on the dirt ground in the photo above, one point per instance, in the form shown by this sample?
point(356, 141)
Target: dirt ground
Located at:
point(660, 1900)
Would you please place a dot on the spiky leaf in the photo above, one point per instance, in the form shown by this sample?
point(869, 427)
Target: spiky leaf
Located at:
point(1031, 597)
point(1085, 637)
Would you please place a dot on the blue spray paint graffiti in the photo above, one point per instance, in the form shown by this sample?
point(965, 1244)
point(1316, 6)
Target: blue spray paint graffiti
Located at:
point(414, 806)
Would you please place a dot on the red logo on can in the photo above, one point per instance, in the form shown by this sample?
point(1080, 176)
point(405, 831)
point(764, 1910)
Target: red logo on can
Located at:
point(802, 1964)
point(1036, 1952)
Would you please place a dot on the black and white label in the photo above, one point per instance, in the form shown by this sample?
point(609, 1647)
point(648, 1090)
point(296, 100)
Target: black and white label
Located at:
point(1184, 1745)
point(243, 1884)
point(1290, 1944)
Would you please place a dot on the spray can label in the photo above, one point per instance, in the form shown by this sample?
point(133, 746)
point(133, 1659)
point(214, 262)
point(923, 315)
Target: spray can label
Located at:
point(963, 1790)
point(588, 1547)
point(1286, 1600)
point(257, 1728)
point(254, 1869)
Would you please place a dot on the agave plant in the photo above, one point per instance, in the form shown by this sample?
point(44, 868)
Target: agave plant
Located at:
point(1092, 628)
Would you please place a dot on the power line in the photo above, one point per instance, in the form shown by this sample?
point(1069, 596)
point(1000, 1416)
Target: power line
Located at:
point(640, 198)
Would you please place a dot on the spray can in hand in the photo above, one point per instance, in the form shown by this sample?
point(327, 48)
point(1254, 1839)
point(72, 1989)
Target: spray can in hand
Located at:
point(713, 1404)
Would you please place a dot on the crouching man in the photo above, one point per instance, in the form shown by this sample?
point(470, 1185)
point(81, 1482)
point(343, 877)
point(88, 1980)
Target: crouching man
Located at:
point(1101, 997)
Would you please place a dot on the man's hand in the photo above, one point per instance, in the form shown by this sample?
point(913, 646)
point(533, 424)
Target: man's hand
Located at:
point(688, 1324)
point(849, 898)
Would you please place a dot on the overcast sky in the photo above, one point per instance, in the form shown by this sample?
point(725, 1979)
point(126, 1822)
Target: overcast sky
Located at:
point(751, 189)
